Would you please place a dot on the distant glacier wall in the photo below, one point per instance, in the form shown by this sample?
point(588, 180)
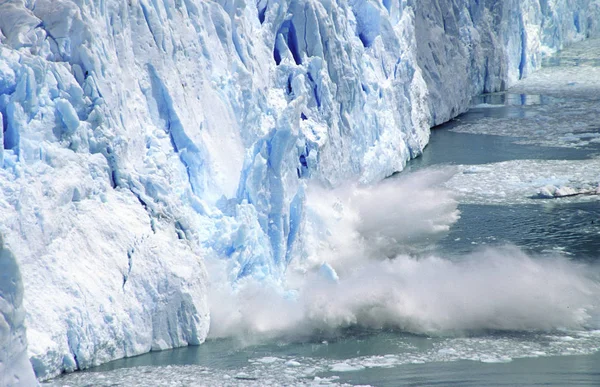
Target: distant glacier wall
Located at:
point(466, 48)
point(143, 138)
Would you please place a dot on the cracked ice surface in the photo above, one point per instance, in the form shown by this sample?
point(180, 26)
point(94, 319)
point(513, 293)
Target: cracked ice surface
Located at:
point(142, 139)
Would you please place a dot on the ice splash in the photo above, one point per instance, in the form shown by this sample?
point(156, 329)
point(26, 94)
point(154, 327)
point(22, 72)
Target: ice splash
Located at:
point(499, 290)
point(363, 271)
point(403, 214)
point(343, 229)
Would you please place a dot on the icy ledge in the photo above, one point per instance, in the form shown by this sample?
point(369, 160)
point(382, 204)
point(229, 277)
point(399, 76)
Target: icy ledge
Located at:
point(143, 139)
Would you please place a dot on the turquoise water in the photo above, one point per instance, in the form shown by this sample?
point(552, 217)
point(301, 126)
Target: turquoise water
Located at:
point(517, 142)
point(374, 358)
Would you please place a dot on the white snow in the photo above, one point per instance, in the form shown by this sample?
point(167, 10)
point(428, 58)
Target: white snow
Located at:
point(144, 139)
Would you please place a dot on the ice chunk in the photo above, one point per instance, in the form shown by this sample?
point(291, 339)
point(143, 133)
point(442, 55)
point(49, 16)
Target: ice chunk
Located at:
point(68, 115)
point(551, 191)
point(345, 367)
point(328, 272)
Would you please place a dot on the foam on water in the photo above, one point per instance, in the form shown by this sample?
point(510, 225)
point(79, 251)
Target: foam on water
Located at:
point(371, 267)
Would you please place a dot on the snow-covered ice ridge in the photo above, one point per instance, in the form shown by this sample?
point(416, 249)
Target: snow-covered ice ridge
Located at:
point(143, 138)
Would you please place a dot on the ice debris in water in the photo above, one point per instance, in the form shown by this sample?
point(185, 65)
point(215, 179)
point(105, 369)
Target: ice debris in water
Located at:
point(552, 191)
point(521, 181)
point(308, 371)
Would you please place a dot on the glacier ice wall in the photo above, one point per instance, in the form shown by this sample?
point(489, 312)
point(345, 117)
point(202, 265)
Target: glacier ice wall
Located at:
point(15, 368)
point(143, 138)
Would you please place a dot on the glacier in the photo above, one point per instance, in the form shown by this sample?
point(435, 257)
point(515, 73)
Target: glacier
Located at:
point(145, 142)
point(14, 362)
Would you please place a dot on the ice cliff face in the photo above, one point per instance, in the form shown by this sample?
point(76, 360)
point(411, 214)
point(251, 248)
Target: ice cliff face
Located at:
point(15, 368)
point(143, 138)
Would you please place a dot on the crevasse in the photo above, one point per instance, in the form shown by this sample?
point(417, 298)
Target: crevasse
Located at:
point(143, 138)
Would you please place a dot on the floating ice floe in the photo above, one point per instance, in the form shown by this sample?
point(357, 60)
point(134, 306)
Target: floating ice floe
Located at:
point(552, 192)
point(522, 181)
